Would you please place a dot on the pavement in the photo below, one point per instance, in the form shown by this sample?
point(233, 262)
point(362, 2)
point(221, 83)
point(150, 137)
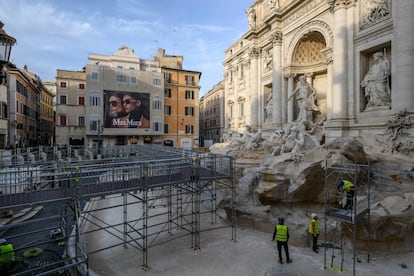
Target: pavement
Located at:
point(251, 253)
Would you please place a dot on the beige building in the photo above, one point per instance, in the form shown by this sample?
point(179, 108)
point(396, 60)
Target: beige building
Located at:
point(212, 115)
point(124, 95)
point(121, 99)
point(341, 65)
point(70, 107)
point(25, 90)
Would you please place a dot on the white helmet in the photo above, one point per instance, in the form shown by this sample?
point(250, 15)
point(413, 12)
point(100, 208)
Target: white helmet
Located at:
point(313, 215)
point(3, 241)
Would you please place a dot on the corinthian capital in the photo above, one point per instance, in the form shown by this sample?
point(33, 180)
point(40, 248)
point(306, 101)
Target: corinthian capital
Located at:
point(276, 37)
point(334, 4)
point(254, 52)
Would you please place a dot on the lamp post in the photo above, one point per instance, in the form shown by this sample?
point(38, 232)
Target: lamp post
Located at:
point(6, 44)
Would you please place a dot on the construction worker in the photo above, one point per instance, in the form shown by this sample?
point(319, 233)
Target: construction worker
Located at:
point(6, 255)
point(281, 233)
point(314, 231)
point(349, 188)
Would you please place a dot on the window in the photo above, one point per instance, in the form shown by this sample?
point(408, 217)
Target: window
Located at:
point(189, 94)
point(167, 77)
point(241, 71)
point(189, 129)
point(62, 120)
point(81, 121)
point(241, 109)
point(156, 126)
point(94, 76)
point(167, 92)
point(156, 104)
point(94, 101)
point(94, 125)
point(134, 80)
point(62, 99)
point(166, 130)
point(167, 109)
point(63, 84)
point(189, 80)
point(189, 111)
point(81, 86)
point(3, 110)
point(121, 78)
point(81, 100)
point(156, 82)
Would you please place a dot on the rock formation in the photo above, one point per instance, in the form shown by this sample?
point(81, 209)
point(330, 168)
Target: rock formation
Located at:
point(293, 183)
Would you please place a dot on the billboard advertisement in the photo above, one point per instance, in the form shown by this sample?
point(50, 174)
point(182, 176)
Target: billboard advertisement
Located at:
point(126, 109)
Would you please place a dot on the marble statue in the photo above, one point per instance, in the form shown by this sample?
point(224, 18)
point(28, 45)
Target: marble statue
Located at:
point(295, 139)
point(248, 140)
point(376, 85)
point(251, 16)
point(305, 97)
point(268, 62)
point(268, 106)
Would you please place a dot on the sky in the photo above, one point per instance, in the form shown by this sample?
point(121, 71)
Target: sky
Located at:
point(56, 34)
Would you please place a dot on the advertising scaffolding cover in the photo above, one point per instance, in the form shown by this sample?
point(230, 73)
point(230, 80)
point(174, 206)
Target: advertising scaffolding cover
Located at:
point(126, 109)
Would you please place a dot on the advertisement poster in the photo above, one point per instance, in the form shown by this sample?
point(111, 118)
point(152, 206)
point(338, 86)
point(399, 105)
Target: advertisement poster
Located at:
point(126, 109)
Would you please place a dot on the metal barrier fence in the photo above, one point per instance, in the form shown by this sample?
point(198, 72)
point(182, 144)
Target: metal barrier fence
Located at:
point(41, 181)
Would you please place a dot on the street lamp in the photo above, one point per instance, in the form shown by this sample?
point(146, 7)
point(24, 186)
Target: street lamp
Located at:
point(6, 43)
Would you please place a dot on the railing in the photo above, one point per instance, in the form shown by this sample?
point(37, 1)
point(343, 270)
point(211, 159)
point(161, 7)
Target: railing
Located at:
point(36, 182)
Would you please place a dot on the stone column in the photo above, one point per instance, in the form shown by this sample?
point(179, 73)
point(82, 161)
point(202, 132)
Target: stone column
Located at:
point(329, 91)
point(403, 56)
point(340, 71)
point(254, 89)
point(284, 100)
point(277, 78)
point(291, 102)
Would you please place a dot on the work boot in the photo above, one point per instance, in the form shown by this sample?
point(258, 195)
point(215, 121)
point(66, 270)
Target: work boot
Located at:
point(289, 261)
point(280, 262)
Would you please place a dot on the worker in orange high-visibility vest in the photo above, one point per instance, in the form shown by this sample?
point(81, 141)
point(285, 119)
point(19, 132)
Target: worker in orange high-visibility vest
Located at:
point(314, 231)
point(281, 233)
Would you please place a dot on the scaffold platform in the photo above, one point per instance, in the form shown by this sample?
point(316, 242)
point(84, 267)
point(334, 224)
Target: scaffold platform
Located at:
point(190, 186)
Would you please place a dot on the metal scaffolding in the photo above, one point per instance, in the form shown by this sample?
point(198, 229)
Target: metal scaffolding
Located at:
point(176, 191)
point(346, 220)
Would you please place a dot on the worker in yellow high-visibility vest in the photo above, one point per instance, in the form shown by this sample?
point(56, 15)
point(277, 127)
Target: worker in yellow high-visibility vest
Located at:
point(314, 231)
point(6, 255)
point(349, 188)
point(281, 233)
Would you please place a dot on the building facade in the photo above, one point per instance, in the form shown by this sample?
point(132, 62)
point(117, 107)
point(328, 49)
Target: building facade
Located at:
point(181, 102)
point(212, 115)
point(355, 57)
point(70, 108)
point(120, 99)
point(25, 90)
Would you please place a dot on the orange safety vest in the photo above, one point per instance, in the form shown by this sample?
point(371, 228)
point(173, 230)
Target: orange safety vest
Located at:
point(315, 222)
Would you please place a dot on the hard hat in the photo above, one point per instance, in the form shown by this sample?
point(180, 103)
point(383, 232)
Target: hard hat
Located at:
point(340, 185)
point(3, 241)
point(281, 220)
point(313, 215)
